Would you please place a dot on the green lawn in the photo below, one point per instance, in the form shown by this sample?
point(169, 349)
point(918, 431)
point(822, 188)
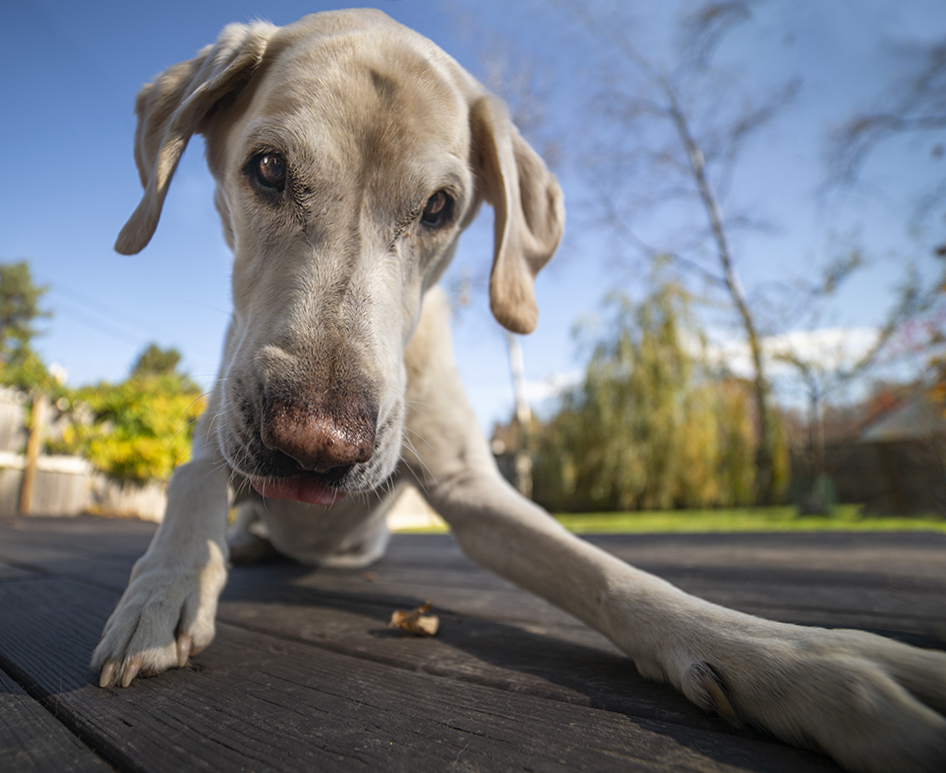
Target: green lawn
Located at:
point(844, 518)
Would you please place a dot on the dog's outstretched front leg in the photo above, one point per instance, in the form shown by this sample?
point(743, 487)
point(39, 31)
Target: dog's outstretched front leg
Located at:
point(167, 612)
point(871, 703)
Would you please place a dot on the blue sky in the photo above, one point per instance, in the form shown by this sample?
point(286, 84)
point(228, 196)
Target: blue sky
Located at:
point(71, 71)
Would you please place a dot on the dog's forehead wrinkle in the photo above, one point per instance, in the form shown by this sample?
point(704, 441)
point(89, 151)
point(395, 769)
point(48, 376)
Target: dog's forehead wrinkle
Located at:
point(385, 86)
point(382, 94)
point(388, 62)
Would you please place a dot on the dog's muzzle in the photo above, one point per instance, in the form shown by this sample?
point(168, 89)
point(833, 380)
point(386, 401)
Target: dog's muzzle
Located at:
point(312, 445)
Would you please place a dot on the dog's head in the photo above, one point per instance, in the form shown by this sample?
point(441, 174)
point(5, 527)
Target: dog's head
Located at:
point(349, 153)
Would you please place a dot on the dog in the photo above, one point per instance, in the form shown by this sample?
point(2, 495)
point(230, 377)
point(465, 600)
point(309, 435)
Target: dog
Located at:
point(349, 153)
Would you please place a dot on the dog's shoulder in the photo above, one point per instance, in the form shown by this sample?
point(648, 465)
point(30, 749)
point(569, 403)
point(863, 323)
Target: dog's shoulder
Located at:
point(431, 340)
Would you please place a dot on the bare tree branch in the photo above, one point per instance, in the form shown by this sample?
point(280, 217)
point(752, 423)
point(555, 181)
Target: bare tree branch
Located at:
point(916, 104)
point(702, 149)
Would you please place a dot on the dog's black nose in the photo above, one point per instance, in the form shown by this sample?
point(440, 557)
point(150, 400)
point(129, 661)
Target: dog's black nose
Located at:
point(321, 437)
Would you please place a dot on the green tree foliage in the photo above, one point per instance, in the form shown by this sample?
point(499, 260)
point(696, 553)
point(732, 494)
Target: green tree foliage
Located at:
point(141, 428)
point(650, 427)
point(138, 430)
point(26, 371)
point(20, 366)
point(19, 305)
point(155, 361)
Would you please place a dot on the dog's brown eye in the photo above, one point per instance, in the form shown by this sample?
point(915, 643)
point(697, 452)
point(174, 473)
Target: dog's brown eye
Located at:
point(271, 171)
point(438, 210)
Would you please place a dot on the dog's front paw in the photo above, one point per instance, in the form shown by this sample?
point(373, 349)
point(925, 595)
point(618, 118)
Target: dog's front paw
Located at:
point(871, 703)
point(165, 615)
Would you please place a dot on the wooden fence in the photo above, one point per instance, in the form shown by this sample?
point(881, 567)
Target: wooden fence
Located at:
point(60, 485)
point(68, 485)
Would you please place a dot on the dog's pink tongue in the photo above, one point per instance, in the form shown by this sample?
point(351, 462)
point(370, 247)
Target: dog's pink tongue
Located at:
point(299, 488)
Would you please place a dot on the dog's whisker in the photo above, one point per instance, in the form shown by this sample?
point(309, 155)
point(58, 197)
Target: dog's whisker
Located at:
point(430, 475)
point(418, 436)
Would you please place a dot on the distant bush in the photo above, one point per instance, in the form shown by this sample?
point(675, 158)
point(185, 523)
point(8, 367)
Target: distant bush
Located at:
point(135, 431)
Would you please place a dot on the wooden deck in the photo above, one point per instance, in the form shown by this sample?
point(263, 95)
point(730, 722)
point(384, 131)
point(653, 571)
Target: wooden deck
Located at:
point(304, 674)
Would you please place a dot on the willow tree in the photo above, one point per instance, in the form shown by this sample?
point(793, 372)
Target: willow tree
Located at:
point(677, 130)
point(650, 425)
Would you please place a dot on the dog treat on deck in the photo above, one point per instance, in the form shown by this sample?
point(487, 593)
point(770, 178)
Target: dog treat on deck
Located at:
point(417, 621)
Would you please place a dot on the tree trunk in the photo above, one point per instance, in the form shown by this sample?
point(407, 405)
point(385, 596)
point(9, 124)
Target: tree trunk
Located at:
point(764, 485)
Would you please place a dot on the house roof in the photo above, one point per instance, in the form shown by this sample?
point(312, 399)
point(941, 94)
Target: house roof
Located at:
point(915, 419)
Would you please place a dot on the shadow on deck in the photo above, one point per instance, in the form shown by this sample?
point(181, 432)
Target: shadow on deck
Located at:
point(305, 675)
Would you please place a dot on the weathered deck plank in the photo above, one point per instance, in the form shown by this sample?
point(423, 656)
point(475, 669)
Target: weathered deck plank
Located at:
point(286, 705)
point(32, 739)
point(305, 675)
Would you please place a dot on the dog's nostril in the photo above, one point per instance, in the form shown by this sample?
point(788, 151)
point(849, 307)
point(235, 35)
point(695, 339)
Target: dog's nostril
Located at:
point(318, 442)
point(330, 473)
point(283, 465)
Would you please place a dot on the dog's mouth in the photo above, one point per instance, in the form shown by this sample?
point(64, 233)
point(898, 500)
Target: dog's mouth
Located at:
point(310, 488)
point(276, 475)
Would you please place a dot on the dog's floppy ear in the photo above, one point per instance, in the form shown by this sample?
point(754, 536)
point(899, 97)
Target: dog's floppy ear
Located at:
point(530, 213)
point(173, 107)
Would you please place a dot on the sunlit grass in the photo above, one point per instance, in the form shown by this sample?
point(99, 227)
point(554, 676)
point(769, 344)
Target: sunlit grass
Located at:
point(741, 519)
point(748, 519)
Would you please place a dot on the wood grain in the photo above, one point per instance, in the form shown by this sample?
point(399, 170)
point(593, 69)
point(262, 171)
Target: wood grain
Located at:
point(305, 675)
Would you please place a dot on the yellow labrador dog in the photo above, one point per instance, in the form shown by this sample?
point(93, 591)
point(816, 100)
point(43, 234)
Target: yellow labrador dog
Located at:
point(349, 153)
